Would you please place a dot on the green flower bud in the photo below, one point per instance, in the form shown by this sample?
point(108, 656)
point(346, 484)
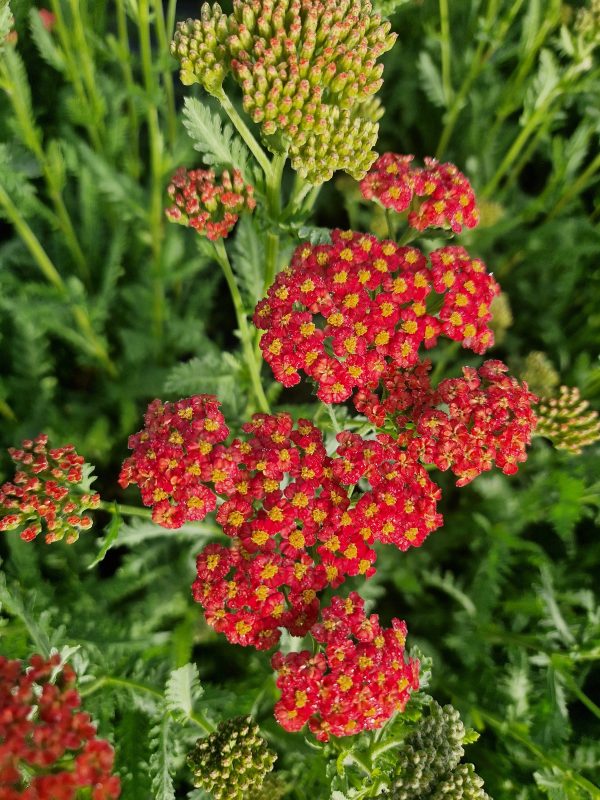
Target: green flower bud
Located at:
point(463, 783)
point(232, 762)
point(567, 421)
point(502, 317)
point(199, 46)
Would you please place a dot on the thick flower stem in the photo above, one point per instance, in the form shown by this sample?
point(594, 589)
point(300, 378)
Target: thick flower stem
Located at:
point(245, 132)
point(445, 45)
point(245, 332)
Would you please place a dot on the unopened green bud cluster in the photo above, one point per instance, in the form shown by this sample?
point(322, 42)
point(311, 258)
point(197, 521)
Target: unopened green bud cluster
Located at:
point(428, 765)
point(502, 317)
point(308, 72)
point(567, 421)
point(232, 762)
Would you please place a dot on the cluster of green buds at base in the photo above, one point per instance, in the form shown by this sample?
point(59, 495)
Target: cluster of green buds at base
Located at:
point(428, 764)
point(567, 421)
point(232, 762)
point(540, 375)
point(308, 72)
point(463, 783)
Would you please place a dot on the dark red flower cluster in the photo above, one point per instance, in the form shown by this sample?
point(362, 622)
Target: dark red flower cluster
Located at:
point(466, 425)
point(175, 455)
point(354, 683)
point(296, 530)
point(449, 198)
point(342, 312)
point(209, 206)
point(41, 497)
point(298, 520)
point(48, 747)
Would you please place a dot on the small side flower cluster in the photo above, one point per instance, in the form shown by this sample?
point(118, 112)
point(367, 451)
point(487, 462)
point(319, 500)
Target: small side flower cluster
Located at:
point(209, 206)
point(48, 747)
point(428, 762)
point(342, 312)
point(232, 762)
point(568, 421)
point(176, 453)
point(308, 71)
point(467, 424)
point(355, 683)
point(41, 496)
point(449, 199)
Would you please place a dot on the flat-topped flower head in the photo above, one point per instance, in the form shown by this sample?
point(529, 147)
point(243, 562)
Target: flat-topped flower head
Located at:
point(209, 205)
point(47, 494)
point(308, 72)
point(342, 312)
point(295, 531)
point(48, 746)
point(437, 195)
point(355, 682)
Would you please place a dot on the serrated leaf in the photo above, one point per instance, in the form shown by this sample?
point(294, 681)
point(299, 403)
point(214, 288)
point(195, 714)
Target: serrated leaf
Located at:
point(212, 373)
point(6, 21)
point(161, 762)
point(44, 42)
point(248, 259)
point(112, 534)
point(431, 80)
point(183, 689)
point(216, 140)
point(315, 235)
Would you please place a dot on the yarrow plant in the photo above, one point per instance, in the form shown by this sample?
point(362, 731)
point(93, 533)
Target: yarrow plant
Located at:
point(304, 502)
point(48, 746)
point(47, 493)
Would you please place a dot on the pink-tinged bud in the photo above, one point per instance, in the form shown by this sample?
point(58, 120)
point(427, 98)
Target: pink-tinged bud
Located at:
point(207, 205)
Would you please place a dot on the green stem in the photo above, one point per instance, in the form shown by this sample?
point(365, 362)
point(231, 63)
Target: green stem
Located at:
point(87, 67)
point(271, 256)
point(74, 74)
point(32, 139)
point(125, 62)
point(576, 187)
point(53, 277)
point(125, 510)
point(390, 223)
point(445, 45)
point(245, 132)
point(163, 44)
point(477, 63)
point(506, 728)
point(519, 143)
point(246, 335)
point(274, 177)
point(134, 686)
point(156, 220)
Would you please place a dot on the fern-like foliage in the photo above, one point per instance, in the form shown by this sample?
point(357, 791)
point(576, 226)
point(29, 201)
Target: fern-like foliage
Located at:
point(216, 140)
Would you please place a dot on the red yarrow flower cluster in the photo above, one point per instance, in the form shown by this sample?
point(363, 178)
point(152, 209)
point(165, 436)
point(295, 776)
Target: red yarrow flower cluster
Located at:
point(48, 747)
point(342, 312)
point(295, 529)
point(298, 520)
point(41, 495)
point(449, 198)
point(467, 424)
point(175, 455)
point(356, 681)
point(209, 206)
